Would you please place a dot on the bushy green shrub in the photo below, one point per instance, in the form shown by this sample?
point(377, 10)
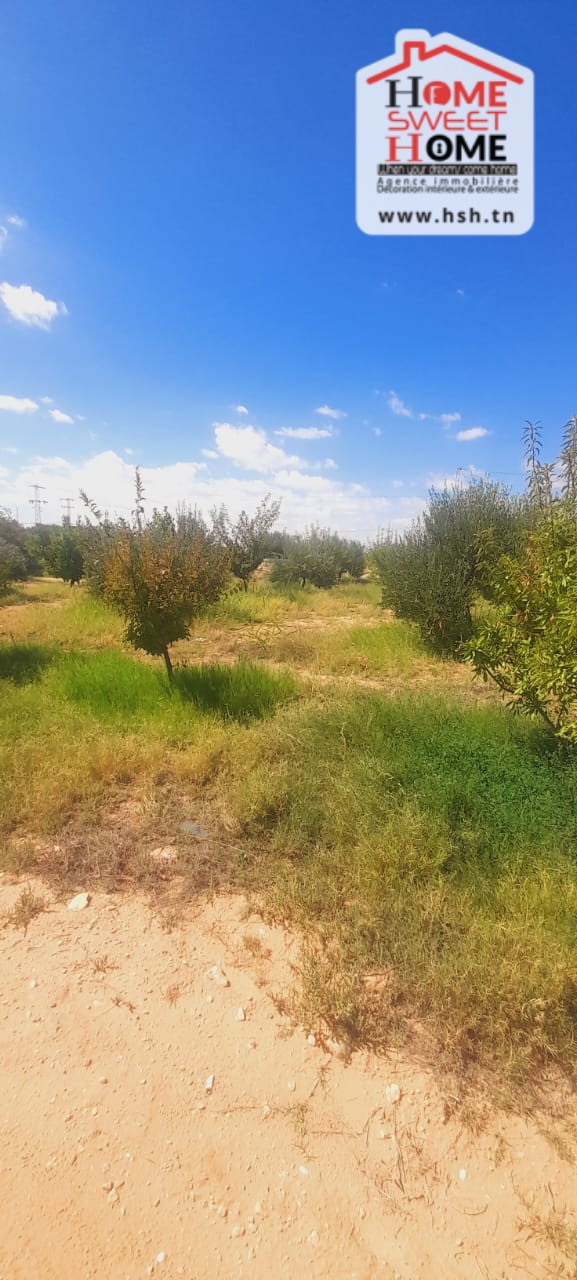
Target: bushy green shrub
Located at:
point(529, 648)
point(430, 574)
point(318, 556)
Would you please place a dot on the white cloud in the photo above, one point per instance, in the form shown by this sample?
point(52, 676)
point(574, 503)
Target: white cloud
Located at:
point(3, 237)
point(15, 221)
point(29, 307)
point(377, 431)
point(58, 416)
point(448, 418)
point(460, 293)
point(209, 453)
point(8, 449)
point(46, 400)
point(17, 404)
point(354, 509)
point(249, 448)
point(305, 433)
point(330, 465)
point(397, 406)
point(129, 452)
point(240, 408)
point(398, 484)
point(473, 433)
point(327, 412)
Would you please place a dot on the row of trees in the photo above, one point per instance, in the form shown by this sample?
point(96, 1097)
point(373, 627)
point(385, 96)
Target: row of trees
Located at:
point(519, 555)
point(161, 572)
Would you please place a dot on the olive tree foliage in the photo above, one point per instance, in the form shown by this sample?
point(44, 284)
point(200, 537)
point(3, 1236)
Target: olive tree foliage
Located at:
point(246, 539)
point(160, 574)
point(529, 647)
point(431, 574)
point(317, 556)
point(17, 561)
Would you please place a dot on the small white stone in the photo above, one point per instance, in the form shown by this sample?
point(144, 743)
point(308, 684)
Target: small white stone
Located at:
point(32, 984)
point(393, 1093)
point(291, 1086)
point(103, 1079)
point(462, 1174)
point(303, 1169)
point(218, 976)
point(209, 1084)
point(236, 1232)
point(79, 902)
point(113, 1196)
point(362, 1212)
point(314, 1238)
point(311, 1040)
point(240, 1015)
point(265, 1111)
point(160, 1257)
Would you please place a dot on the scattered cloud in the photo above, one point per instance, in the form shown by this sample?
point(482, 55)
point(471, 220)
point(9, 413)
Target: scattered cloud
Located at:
point(209, 453)
point(397, 406)
point(17, 404)
point(15, 221)
point(129, 452)
point(3, 237)
point(29, 307)
point(460, 293)
point(240, 408)
point(8, 449)
point(398, 484)
point(46, 400)
point(307, 497)
point(305, 433)
point(326, 412)
point(472, 433)
point(58, 416)
point(448, 418)
point(377, 431)
point(330, 465)
point(249, 448)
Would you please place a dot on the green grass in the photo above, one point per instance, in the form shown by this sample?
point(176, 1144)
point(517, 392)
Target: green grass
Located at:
point(431, 841)
point(437, 844)
point(376, 651)
point(74, 727)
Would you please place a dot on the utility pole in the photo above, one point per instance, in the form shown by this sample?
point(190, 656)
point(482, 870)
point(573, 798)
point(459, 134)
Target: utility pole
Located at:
point(68, 503)
point(37, 502)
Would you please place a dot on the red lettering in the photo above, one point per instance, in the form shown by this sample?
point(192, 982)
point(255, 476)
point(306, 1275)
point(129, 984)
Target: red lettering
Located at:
point(395, 147)
point(496, 98)
point(425, 119)
point(475, 121)
point(478, 91)
point(395, 123)
point(452, 122)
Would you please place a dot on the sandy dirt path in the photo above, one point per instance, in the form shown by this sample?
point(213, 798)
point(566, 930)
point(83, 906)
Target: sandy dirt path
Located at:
point(155, 1122)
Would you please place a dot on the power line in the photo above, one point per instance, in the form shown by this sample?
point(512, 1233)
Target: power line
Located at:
point(68, 503)
point(37, 502)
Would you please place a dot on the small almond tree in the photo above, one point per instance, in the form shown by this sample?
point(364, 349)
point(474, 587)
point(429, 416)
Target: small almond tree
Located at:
point(246, 539)
point(160, 576)
point(528, 647)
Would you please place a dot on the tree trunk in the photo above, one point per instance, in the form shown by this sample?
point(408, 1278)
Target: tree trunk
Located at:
point(168, 664)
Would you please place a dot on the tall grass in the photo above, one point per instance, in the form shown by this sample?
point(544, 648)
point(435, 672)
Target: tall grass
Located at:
point(437, 845)
point(74, 727)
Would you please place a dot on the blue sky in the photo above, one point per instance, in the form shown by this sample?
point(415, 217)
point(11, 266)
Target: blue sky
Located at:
point(184, 177)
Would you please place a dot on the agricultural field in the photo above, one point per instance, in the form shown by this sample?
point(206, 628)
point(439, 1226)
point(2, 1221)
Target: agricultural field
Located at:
point(330, 926)
point(377, 797)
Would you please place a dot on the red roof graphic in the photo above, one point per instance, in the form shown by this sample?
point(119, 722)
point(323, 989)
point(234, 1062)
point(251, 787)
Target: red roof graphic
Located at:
point(425, 54)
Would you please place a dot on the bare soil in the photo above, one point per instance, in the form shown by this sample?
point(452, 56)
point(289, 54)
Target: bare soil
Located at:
point(149, 1129)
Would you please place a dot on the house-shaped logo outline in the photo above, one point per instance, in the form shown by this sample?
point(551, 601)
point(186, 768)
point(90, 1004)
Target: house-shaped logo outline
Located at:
point(425, 54)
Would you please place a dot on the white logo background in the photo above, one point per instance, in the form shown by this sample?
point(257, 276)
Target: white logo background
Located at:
point(476, 197)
